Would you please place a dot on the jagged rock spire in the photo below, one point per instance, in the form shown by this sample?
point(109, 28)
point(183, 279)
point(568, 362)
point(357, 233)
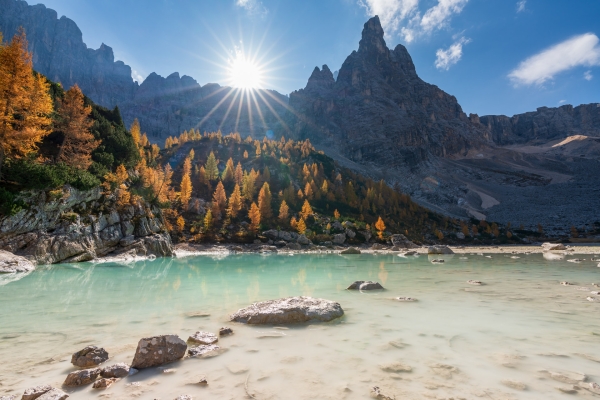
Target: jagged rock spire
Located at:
point(372, 37)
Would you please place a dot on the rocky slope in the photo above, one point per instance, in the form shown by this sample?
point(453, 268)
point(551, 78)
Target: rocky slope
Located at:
point(69, 225)
point(379, 110)
point(164, 106)
point(545, 124)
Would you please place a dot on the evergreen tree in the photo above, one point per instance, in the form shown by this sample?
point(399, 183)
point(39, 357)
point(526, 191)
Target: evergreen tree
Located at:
point(212, 170)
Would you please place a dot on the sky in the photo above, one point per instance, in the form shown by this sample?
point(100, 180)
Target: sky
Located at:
point(494, 56)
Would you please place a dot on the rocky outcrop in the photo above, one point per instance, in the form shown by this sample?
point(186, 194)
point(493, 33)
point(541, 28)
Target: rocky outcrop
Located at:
point(379, 110)
point(289, 310)
point(544, 124)
point(73, 226)
point(351, 250)
point(158, 350)
point(90, 356)
point(401, 241)
point(10, 263)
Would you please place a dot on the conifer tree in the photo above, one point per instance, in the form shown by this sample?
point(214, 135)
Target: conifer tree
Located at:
point(212, 170)
point(239, 174)
point(186, 184)
point(283, 212)
point(202, 176)
point(74, 122)
point(264, 202)
point(229, 171)
point(180, 223)
point(380, 226)
point(136, 132)
point(208, 220)
point(25, 103)
point(308, 192)
point(293, 223)
point(245, 153)
point(306, 210)
point(336, 214)
point(248, 186)
point(219, 197)
point(235, 202)
point(254, 215)
point(301, 227)
point(267, 174)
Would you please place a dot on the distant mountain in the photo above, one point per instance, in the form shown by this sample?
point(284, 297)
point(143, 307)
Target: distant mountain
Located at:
point(164, 106)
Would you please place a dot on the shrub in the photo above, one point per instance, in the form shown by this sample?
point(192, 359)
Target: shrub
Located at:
point(31, 175)
point(8, 204)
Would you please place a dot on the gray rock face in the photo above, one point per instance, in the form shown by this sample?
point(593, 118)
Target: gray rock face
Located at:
point(35, 392)
point(120, 370)
point(378, 110)
point(89, 357)
point(74, 238)
point(82, 377)
point(158, 350)
point(289, 310)
point(439, 249)
point(10, 263)
point(364, 285)
point(544, 124)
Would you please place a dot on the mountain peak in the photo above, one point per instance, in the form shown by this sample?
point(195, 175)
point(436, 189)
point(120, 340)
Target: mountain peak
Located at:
point(372, 37)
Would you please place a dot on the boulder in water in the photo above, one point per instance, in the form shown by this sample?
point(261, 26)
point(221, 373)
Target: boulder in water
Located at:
point(82, 377)
point(224, 331)
point(364, 285)
point(158, 350)
point(351, 250)
point(289, 310)
point(439, 249)
point(120, 370)
point(90, 356)
point(54, 394)
point(203, 350)
point(104, 383)
point(201, 337)
point(553, 246)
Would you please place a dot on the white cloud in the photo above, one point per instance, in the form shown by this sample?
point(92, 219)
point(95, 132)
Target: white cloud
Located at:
point(137, 76)
point(582, 50)
point(587, 75)
point(447, 58)
point(252, 7)
point(562, 101)
point(404, 16)
point(521, 5)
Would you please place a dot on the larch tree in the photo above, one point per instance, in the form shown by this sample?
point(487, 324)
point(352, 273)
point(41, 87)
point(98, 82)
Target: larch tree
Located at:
point(239, 174)
point(306, 210)
point(308, 191)
point(25, 102)
point(212, 170)
point(229, 171)
point(136, 132)
point(207, 220)
point(301, 226)
point(336, 214)
point(284, 212)
point(235, 202)
point(293, 223)
point(219, 197)
point(74, 122)
point(186, 183)
point(245, 153)
point(249, 186)
point(254, 215)
point(264, 202)
point(380, 226)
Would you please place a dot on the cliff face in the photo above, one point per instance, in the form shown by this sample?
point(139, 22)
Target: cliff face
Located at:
point(379, 110)
point(544, 124)
point(164, 106)
point(60, 54)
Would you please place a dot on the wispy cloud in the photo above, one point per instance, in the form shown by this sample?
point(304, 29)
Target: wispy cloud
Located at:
point(562, 101)
point(405, 18)
point(252, 7)
point(447, 58)
point(587, 75)
point(137, 76)
point(521, 5)
point(582, 50)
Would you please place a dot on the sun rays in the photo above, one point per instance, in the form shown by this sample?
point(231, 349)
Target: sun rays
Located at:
point(244, 73)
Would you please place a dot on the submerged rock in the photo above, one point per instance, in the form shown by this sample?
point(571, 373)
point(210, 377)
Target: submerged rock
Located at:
point(514, 384)
point(104, 383)
point(378, 394)
point(406, 299)
point(565, 377)
point(289, 311)
point(439, 249)
point(364, 285)
point(10, 263)
point(90, 356)
point(438, 261)
point(224, 331)
point(184, 397)
point(83, 377)
point(158, 350)
point(201, 337)
point(202, 350)
point(35, 392)
point(120, 370)
point(351, 250)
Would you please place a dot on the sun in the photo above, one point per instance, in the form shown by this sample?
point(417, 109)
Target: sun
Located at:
point(244, 73)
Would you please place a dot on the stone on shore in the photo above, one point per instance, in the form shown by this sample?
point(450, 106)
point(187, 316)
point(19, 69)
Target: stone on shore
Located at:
point(35, 392)
point(351, 250)
point(364, 285)
point(289, 310)
point(201, 337)
point(202, 350)
point(224, 331)
point(120, 370)
point(158, 350)
point(54, 394)
point(90, 356)
point(10, 263)
point(104, 383)
point(476, 283)
point(439, 249)
point(82, 377)
point(406, 299)
point(553, 246)
point(396, 367)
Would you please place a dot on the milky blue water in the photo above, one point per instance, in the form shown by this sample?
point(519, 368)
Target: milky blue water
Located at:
point(517, 325)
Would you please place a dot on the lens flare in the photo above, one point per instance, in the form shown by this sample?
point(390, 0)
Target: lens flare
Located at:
point(244, 73)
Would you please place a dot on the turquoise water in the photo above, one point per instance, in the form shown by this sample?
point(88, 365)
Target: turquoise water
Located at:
point(521, 322)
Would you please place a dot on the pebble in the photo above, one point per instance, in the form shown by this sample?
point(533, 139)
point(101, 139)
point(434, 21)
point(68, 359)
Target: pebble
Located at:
point(407, 299)
point(472, 282)
point(438, 261)
point(566, 283)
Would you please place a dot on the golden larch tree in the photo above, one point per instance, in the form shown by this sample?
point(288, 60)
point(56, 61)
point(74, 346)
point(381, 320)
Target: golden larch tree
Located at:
point(229, 171)
point(25, 103)
point(235, 202)
point(254, 215)
point(284, 212)
point(380, 226)
point(219, 197)
point(74, 122)
point(264, 202)
point(306, 210)
point(136, 132)
point(186, 183)
point(336, 214)
point(293, 222)
point(301, 226)
point(212, 170)
point(239, 174)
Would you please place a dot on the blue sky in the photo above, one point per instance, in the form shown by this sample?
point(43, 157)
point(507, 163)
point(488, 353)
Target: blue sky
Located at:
point(495, 56)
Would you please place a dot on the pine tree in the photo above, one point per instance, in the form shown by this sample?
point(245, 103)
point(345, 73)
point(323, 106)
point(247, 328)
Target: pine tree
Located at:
point(25, 103)
point(380, 226)
point(212, 170)
point(74, 122)
point(235, 202)
point(264, 202)
point(254, 215)
point(219, 197)
point(301, 227)
point(306, 210)
point(283, 212)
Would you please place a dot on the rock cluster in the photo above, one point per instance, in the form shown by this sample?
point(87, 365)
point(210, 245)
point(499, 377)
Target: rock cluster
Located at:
point(82, 225)
point(287, 237)
point(289, 311)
